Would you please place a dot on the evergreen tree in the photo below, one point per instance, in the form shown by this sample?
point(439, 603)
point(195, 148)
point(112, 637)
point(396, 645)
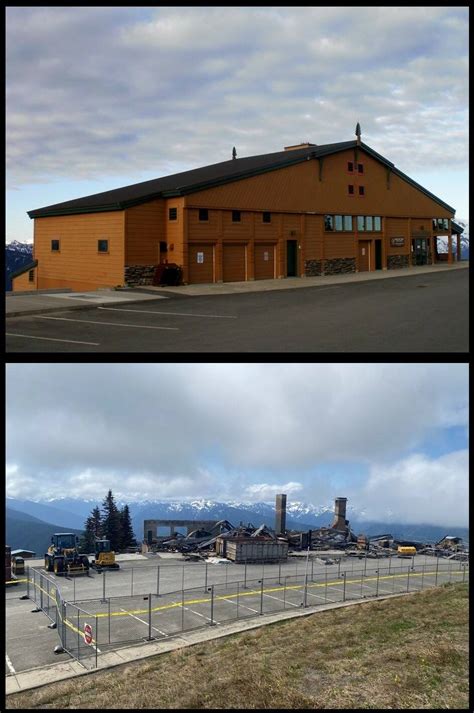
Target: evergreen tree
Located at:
point(128, 538)
point(111, 522)
point(93, 529)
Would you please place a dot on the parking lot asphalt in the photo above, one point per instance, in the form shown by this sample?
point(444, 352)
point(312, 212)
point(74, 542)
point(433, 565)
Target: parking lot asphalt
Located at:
point(415, 313)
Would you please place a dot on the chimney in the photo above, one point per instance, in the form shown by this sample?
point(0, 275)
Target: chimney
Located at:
point(280, 515)
point(357, 133)
point(339, 522)
point(299, 146)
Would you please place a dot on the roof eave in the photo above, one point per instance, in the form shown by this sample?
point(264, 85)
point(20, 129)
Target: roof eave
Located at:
point(25, 268)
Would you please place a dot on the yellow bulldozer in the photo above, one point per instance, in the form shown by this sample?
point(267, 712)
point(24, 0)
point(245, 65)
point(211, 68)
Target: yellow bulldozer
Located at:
point(104, 556)
point(63, 556)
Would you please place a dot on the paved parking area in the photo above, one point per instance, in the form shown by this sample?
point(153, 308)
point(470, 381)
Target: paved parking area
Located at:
point(418, 313)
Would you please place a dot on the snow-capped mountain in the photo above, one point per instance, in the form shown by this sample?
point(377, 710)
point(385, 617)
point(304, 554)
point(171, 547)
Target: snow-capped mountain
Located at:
point(442, 242)
point(16, 255)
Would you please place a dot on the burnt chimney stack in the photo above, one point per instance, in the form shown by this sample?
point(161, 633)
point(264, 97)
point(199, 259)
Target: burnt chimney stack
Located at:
point(280, 514)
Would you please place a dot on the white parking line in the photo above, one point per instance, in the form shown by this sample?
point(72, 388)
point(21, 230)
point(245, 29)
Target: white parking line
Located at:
point(311, 594)
point(173, 314)
point(110, 324)
point(280, 600)
point(230, 601)
point(50, 339)
point(9, 664)
point(143, 621)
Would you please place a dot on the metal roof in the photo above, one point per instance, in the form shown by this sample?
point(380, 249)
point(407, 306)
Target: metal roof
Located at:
point(197, 179)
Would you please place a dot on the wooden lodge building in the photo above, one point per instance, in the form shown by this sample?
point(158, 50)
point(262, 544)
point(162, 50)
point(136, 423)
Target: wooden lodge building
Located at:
point(307, 210)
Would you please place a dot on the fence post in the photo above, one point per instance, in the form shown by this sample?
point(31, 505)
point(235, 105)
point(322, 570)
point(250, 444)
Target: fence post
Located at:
point(245, 574)
point(389, 563)
point(27, 581)
point(78, 637)
point(344, 594)
point(109, 620)
point(437, 566)
point(312, 568)
point(131, 591)
point(464, 572)
point(284, 593)
point(74, 594)
point(226, 573)
point(182, 610)
point(305, 600)
point(339, 568)
point(205, 578)
point(47, 597)
point(326, 586)
point(41, 593)
point(104, 572)
point(422, 576)
point(212, 605)
point(377, 590)
point(365, 563)
point(149, 618)
point(182, 577)
point(362, 596)
point(261, 597)
point(450, 570)
point(279, 572)
point(408, 578)
point(158, 581)
point(96, 638)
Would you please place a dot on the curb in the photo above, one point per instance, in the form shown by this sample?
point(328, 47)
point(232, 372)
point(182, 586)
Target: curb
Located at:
point(44, 310)
point(65, 670)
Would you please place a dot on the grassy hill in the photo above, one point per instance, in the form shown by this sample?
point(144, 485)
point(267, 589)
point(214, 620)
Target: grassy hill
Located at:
point(30, 533)
point(405, 652)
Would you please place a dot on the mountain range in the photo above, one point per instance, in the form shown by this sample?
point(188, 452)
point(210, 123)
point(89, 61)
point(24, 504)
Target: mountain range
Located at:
point(71, 513)
point(26, 532)
point(16, 256)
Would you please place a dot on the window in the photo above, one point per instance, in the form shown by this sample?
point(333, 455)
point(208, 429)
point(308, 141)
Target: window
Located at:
point(103, 246)
point(55, 245)
point(361, 191)
point(31, 276)
point(377, 223)
point(266, 217)
point(163, 246)
point(360, 222)
point(338, 222)
point(173, 214)
point(328, 222)
point(368, 222)
point(445, 223)
point(360, 168)
point(440, 222)
point(203, 214)
point(348, 222)
point(350, 166)
point(236, 216)
point(350, 190)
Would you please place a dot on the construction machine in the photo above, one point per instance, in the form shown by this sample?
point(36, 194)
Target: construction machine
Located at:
point(63, 556)
point(104, 556)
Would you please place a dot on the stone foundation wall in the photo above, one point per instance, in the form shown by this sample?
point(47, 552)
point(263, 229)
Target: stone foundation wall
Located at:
point(339, 265)
point(396, 261)
point(139, 275)
point(312, 268)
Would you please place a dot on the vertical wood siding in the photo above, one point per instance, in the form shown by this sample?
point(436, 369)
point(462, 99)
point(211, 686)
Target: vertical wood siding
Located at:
point(144, 229)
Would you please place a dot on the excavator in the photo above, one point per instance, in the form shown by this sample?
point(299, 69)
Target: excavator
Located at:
point(63, 556)
point(104, 556)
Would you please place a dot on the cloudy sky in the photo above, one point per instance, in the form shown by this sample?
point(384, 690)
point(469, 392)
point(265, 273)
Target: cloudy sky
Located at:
point(100, 97)
point(388, 437)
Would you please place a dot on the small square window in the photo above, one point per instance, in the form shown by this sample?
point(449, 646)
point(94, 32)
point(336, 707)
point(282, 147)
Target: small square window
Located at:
point(328, 222)
point(360, 168)
point(368, 222)
point(55, 245)
point(31, 276)
point(267, 217)
point(173, 214)
point(361, 191)
point(338, 221)
point(377, 223)
point(445, 223)
point(350, 190)
point(348, 222)
point(440, 222)
point(203, 214)
point(103, 246)
point(236, 216)
point(350, 166)
point(360, 222)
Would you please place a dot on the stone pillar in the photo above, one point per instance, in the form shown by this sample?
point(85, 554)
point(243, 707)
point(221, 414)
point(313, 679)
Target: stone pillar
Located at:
point(450, 247)
point(458, 247)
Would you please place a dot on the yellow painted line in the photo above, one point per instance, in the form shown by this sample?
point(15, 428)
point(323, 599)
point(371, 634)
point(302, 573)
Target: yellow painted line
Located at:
point(258, 591)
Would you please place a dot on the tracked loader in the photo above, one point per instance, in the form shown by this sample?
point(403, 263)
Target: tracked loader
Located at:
point(104, 556)
point(63, 556)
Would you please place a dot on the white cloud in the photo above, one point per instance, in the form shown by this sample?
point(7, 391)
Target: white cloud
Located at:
point(419, 489)
point(262, 492)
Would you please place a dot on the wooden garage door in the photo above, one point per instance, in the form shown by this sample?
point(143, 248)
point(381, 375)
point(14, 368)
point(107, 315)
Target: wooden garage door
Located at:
point(201, 263)
point(233, 263)
point(264, 261)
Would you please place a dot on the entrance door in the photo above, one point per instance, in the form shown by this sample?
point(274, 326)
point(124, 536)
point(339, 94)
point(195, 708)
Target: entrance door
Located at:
point(378, 254)
point(291, 257)
point(420, 250)
point(364, 255)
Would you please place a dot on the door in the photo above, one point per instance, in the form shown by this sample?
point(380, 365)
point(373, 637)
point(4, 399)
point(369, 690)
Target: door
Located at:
point(264, 261)
point(291, 257)
point(378, 254)
point(201, 263)
point(420, 250)
point(234, 263)
point(364, 255)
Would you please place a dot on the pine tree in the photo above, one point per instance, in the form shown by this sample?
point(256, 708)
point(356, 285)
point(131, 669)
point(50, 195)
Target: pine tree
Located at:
point(93, 529)
point(111, 522)
point(128, 538)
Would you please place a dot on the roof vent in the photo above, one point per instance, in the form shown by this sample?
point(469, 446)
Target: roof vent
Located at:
point(306, 145)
